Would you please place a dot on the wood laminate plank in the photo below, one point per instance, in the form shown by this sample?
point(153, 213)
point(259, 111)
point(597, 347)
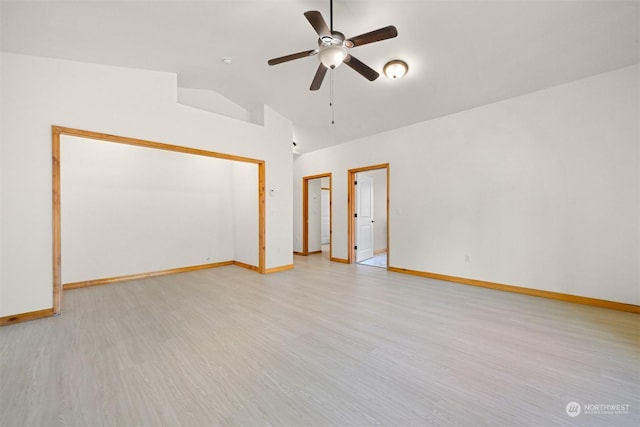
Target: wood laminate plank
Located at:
point(325, 344)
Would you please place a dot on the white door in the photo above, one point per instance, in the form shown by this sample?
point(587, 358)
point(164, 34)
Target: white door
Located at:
point(364, 217)
point(325, 217)
point(313, 221)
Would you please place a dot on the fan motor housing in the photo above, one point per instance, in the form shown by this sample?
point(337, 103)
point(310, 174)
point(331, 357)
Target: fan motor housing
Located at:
point(335, 39)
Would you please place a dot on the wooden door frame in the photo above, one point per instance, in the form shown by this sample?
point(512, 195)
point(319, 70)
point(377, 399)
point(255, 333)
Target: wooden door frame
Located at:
point(305, 212)
point(351, 194)
point(57, 131)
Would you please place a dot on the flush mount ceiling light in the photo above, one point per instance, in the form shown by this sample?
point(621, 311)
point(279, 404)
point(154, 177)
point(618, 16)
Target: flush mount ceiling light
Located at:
point(395, 69)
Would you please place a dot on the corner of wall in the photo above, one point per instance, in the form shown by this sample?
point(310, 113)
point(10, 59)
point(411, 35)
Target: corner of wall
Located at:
point(257, 115)
point(213, 102)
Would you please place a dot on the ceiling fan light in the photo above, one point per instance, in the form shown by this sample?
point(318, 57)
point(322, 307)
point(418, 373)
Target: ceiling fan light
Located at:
point(332, 56)
point(395, 69)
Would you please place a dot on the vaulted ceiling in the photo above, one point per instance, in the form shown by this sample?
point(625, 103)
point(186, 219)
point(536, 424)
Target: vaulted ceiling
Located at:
point(461, 54)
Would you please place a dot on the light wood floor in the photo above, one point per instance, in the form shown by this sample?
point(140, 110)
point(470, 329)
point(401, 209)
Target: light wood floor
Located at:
point(326, 344)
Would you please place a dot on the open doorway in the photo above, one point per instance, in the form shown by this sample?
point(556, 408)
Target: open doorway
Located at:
point(316, 215)
point(368, 214)
point(148, 164)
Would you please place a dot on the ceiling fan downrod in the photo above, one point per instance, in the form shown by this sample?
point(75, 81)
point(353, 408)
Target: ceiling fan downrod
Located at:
point(331, 15)
point(333, 49)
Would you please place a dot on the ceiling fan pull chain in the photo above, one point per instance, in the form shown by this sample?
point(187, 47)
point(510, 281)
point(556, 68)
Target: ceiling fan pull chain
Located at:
point(332, 48)
point(331, 100)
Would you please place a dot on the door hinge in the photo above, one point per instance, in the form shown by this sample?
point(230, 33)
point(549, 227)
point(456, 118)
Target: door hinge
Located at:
point(355, 215)
point(355, 183)
point(355, 247)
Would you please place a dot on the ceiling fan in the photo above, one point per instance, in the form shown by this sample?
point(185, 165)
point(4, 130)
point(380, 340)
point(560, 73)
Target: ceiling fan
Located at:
point(333, 48)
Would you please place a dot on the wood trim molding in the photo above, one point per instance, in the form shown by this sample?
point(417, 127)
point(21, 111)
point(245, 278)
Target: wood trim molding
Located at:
point(56, 131)
point(298, 253)
point(56, 221)
point(278, 269)
point(342, 260)
point(305, 215)
point(23, 317)
point(320, 175)
point(351, 208)
point(108, 280)
point(315, 252)
point(305, 212)
point(380, 251)
point(247, 266)
point(525, 291)
point(116, 279)
point(330, 215)
point(61, 130)
point(262, 215)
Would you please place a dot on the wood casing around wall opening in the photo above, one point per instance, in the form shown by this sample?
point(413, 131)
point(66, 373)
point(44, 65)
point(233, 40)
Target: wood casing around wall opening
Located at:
point(57, 131)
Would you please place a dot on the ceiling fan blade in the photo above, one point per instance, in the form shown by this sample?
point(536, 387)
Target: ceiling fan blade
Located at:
point(317, 22)
point(366, 71)
point(291, 57)
point(317, 79)
point(372, 36)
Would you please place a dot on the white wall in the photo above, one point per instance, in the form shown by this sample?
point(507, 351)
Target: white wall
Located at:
point(245, 213)
point(128, 210)
point(40, 92)
point(540, 191)
point(213, 102)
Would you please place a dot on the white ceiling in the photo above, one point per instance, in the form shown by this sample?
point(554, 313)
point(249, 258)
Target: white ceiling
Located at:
point(461, 54)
